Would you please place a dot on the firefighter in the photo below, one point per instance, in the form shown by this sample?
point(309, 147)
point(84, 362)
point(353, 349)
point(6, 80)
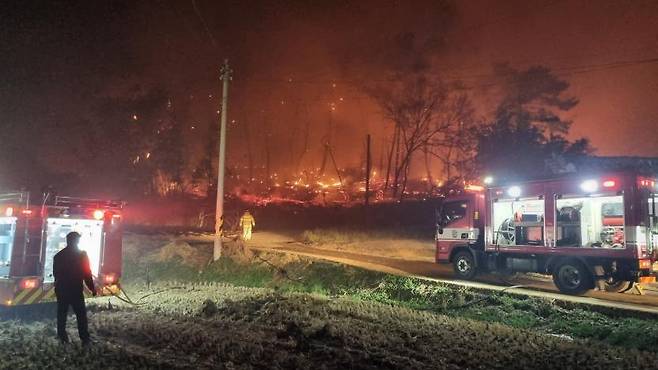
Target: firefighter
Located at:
point(247, 222)
point(71, 268)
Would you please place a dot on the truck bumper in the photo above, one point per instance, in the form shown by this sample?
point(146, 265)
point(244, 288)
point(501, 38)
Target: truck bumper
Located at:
point(11, 294)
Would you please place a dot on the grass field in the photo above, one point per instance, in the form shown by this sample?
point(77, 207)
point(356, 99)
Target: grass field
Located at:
point(253, 310)
point(288, 274)
point(222, 326)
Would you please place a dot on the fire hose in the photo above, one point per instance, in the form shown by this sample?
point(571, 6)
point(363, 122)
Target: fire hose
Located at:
point(485, 298)
point(126, 298)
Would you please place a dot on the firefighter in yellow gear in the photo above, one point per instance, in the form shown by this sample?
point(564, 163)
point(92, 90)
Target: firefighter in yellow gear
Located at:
point(247, 222)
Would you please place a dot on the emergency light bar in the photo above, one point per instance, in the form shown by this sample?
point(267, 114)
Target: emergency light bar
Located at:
point(88, 203)
point(514, 191)
point(589, 186)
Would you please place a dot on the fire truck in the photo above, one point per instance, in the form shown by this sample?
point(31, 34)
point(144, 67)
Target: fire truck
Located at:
point(31, 235)
point(586, 231)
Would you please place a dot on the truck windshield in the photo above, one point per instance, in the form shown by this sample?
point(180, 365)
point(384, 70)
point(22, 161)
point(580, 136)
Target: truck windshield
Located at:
point(451, 212)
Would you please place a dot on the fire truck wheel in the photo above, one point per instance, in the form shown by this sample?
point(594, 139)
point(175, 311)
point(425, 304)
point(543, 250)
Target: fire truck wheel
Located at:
point(464, 265)
point(572, 277)
point(618, 286)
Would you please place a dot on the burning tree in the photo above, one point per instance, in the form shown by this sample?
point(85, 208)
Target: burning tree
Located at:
point(428, 118)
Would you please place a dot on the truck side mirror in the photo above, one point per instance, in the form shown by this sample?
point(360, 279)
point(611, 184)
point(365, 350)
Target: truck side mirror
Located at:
point(439, 229)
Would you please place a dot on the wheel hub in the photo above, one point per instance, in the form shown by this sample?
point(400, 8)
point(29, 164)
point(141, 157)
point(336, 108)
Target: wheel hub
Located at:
point(463, 265)
point(570, 276)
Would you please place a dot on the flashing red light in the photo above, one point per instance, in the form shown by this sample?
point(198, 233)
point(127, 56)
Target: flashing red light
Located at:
point(609, 183)
point(109, 278)
point(9, 211)
point(98, 214)
point(27, 212)
point(647, 183)
point(29, 283)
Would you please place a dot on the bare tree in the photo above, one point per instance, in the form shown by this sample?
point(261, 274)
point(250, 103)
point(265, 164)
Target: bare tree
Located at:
point(427, 118)
point(455, 144)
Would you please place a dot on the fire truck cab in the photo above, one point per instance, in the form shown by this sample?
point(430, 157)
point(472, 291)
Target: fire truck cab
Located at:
point(31, 235)
point(587, 232)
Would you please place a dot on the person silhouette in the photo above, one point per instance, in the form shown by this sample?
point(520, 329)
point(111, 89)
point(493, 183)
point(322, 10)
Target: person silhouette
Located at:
point(70, 268)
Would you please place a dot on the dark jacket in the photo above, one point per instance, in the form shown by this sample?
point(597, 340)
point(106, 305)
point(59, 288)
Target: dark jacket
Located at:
point(71, 268)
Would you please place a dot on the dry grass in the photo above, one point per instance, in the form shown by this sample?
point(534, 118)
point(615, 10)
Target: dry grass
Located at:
point(257, 328)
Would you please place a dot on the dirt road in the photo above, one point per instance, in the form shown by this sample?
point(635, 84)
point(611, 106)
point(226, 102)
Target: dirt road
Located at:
point(421, 264)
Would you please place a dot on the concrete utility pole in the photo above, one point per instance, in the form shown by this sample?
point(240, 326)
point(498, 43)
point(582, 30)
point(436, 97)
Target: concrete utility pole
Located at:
point(368, 169)
point(219, 210)
point(366, 210)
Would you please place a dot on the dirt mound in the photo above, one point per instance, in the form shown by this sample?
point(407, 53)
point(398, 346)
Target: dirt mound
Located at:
point(196, 256)
point(238, 252)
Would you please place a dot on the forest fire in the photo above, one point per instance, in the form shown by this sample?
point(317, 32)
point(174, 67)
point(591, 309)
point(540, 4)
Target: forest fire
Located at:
point(277, 184)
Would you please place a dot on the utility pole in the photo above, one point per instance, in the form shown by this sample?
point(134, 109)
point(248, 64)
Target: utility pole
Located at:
point(368, 169)
point(219, 210)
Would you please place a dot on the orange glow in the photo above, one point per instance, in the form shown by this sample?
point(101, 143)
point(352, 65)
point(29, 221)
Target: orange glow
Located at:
point(474, 188)
point(645, 264)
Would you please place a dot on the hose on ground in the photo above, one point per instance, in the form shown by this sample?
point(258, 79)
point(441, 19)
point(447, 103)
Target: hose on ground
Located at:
point(485, 298)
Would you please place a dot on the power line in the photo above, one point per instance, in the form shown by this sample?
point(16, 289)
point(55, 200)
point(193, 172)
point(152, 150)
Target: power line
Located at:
point(561, 71)
point(205, 25)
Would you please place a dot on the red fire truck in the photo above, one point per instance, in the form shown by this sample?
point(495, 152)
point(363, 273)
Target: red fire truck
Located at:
point(31, 234)
point(587, 232)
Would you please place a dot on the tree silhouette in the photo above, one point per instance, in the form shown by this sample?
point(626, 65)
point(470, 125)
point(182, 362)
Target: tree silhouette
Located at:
point(527, 137)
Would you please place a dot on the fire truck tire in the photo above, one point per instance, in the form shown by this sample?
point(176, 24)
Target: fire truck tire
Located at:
point(572, 277)
point(618, 286)
point(464, 265)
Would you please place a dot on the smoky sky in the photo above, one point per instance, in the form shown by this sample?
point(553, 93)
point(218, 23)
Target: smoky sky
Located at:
point(300, 67)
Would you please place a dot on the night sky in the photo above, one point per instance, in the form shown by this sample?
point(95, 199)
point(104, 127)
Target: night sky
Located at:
point(301, 64)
